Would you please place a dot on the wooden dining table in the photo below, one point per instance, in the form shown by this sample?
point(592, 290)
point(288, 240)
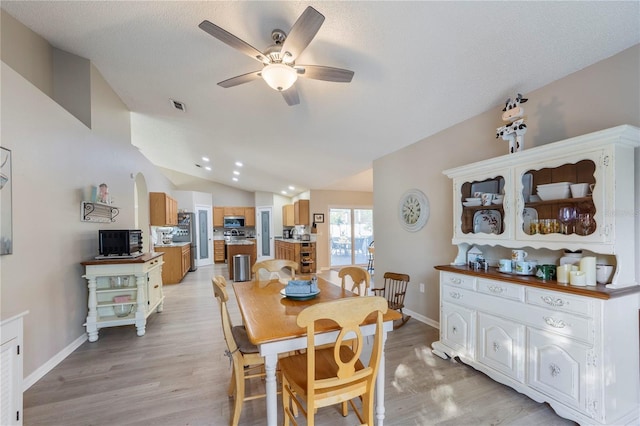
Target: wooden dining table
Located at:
point(270, 320)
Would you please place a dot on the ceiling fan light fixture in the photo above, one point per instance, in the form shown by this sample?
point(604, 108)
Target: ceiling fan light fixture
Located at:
point(279, 76)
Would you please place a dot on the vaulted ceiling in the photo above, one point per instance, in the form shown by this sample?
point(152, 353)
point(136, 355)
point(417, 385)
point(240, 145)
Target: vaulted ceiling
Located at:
point(420, 67)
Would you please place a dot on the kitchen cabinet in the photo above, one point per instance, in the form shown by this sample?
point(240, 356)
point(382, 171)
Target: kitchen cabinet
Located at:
point(301, 252)
point(604, 159)
point(249, 216)
point(573, 347)
point(177, 262)
point(301, 212)
point(11, 371)
point(163, 209)
point(144, 289)
point(288, 218)
point(233, 211)
point(218, 251)
point(218, 217)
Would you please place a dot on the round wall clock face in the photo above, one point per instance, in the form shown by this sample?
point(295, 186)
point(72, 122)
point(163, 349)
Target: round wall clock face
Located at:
point(413, 210)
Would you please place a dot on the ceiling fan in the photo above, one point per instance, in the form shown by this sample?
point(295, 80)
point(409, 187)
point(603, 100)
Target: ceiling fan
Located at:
point(279, 70)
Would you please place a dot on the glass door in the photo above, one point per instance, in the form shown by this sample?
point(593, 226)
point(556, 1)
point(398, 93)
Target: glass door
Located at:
point(351, 233)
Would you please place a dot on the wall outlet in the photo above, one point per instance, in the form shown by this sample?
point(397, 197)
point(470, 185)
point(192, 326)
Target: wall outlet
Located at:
point(421, 287)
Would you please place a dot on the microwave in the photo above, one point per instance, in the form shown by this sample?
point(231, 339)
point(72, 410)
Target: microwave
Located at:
point(120, 242)
point(233, 222)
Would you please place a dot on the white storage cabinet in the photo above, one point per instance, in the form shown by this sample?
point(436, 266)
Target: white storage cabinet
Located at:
point(145, 293)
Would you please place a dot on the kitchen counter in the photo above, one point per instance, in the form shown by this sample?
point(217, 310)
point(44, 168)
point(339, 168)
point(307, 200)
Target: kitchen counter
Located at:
point(173, 244)
point(240, 243)
point(295, 241)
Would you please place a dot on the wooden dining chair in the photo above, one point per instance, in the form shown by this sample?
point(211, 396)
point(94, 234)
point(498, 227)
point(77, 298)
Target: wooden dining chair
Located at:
point(332, 375)
point(359, 277)
point(245, 359)
point(394, 290)
point(274, 266)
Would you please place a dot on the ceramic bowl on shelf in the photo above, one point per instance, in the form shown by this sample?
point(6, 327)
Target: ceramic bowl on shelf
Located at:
point(472, 203)
point(554, 191)
point(122, 310)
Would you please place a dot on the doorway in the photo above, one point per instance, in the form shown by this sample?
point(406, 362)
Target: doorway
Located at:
point(204, 231)
point(351, 232)
point(264, 234)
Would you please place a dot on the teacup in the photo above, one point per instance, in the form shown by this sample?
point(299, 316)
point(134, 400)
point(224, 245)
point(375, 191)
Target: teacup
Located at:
point(504, 265)
point(526, 267)
point(546, 272)
point(518, 255)
point(487, 198)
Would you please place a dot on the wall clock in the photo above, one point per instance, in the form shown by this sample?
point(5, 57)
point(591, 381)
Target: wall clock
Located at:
point(413, 210)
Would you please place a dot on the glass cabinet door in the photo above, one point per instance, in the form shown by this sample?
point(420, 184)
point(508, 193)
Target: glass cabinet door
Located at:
point(480, 208)
point(561, 201)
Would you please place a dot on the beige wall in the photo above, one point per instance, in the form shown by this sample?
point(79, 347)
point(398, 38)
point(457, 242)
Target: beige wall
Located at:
point(56, 159)
point(600, 96)
point(27, 53)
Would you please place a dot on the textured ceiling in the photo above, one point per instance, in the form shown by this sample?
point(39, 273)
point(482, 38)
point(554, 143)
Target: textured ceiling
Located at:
point(420, 67)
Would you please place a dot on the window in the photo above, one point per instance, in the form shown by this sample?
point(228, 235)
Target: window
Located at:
point(351, 232)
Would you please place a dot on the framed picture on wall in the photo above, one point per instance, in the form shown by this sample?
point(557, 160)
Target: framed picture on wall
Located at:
point(318, 217)
point(6, 227)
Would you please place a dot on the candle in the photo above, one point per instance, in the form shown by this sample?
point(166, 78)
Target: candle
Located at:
point(588, 266)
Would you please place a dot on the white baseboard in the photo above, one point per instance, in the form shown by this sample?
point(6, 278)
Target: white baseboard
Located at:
point(422, 318)
point(55, 360)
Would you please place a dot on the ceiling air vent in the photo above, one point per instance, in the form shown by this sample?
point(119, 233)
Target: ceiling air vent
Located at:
point(178, 105)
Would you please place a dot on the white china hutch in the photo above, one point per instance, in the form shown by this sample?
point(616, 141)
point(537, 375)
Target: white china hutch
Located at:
point(138, 293)
point(576, 348)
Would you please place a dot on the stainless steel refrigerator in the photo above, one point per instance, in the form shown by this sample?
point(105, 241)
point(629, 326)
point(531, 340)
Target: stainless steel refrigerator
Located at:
point(186, 232)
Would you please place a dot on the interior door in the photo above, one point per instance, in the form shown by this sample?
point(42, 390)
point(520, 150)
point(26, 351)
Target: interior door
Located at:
point(264, 234)
point(204, 231)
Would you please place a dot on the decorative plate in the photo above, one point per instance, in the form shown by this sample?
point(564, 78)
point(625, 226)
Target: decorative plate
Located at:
point(487, 222)
point(299, 296)
point(528, 214)
point(413, 210)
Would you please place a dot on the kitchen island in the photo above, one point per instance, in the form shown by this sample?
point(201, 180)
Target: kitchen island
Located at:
point(245, 246)
point(299, 251)
point(177, 261)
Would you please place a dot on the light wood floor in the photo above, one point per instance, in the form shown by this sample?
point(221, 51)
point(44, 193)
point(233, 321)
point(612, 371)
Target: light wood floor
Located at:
point(177, 374)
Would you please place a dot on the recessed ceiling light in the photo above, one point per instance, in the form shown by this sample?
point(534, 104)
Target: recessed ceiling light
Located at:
point(291, 187)
point(206, 159)
point(207, 168)
point(238, 163)
point(235, 172)
point(284, 192)
point(235, 179)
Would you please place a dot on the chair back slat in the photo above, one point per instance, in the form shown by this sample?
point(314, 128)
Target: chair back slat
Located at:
point(274, 266)
point(348, 313)
point(359, 277)
point(220, 291)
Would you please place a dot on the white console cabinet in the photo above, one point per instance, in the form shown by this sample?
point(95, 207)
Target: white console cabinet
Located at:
point(141, 281)
point(11, 333)
point(572, 347)
point(576, 348)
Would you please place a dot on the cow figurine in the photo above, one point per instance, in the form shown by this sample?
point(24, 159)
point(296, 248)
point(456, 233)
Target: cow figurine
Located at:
point(515, 130)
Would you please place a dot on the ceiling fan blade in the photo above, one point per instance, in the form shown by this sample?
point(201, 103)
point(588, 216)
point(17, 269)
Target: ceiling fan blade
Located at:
point(318, 72)
point(233, 41)
point(291, 96)
point(240, 79)
point(302, 32)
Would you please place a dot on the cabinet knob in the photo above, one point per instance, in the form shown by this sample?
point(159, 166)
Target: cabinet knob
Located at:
point(552, 301)
point(455, 280)
point(455, 295)
point(555, 323)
